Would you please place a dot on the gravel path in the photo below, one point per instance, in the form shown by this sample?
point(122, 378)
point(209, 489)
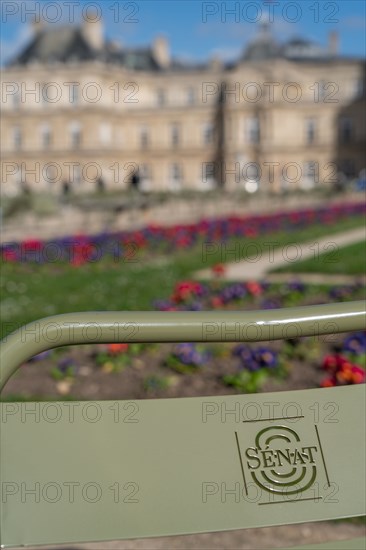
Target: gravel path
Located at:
point(265, 258)
point(249, 539)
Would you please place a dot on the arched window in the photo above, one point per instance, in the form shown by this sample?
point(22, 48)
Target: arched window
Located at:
point(75, 134)
point(253, 130)
point(207, 132)
point(160, 97)
point(310, 130)
point(17, 138)
point(345, 129)
point(175, 134)
point(144, 137)
point(105, 133)
point(176, 176)
point(46, 136)
point(191, 96)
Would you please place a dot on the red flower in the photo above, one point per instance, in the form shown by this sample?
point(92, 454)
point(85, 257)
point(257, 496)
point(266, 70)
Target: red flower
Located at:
point(185, 290)
point(216, 302)
point(358, 375)
point(32, 244)
point(114, 349)
point(343, 371)
point(327, 383)
point(254, 288)
point(251, 232)
point(330, 363)
point(219, 270)
point(9, 255)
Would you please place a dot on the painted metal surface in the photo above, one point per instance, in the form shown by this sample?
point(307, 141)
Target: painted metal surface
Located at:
point(107, 470)
point(94, 471)
point(182, 326)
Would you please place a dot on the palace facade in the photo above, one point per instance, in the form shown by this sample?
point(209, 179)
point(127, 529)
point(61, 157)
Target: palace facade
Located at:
point(79, 109)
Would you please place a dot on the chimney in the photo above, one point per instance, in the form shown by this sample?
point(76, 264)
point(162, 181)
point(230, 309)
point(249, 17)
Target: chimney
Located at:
point(160, 51)
point(93, 30)
point(37, 25)
point(333, 43)
point(215, 63)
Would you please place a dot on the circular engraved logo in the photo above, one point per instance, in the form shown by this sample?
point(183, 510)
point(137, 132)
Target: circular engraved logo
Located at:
point(279, 463)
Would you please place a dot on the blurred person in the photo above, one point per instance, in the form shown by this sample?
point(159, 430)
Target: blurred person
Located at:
point(100, 185)
point(65, 189)
point(341, 182)
point(25, 188)
point(361, 181)
point(135, 181)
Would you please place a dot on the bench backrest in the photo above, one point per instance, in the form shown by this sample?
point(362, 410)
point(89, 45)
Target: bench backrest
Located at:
point(80, 471)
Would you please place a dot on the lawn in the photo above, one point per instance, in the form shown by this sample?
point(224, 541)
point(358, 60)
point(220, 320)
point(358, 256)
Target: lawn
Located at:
point(30, 291)
point(349, 260)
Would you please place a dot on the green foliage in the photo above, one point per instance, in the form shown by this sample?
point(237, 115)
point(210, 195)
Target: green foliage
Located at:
point(16, 205)
point(245, 381)
point(156, 383)
point(57, 374)
point(173, 363)
point(349, 260)
point(33, 291)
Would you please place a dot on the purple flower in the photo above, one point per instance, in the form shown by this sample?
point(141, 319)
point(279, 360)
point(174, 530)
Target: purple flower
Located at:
point(41, 356)
point(296, 286)
point(65, 364)
point(254, 359)
point(266, 357)
point(356, 343)
point(162, 305)
point(270, 303)
point(188, 354)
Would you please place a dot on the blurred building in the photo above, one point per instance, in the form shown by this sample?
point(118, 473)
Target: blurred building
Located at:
point(77, 108)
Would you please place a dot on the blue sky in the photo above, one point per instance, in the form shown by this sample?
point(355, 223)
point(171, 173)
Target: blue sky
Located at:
point(195, 29)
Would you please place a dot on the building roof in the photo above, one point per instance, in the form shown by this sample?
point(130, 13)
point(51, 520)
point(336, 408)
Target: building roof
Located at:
point(263, 46)
point(62, 44)
point(68, 44)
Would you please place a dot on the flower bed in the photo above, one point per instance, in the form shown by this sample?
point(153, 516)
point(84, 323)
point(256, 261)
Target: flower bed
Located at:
point(167, 370)
point(80, 249)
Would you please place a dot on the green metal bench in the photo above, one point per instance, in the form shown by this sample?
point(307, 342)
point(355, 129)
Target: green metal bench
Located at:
point(95, 471)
